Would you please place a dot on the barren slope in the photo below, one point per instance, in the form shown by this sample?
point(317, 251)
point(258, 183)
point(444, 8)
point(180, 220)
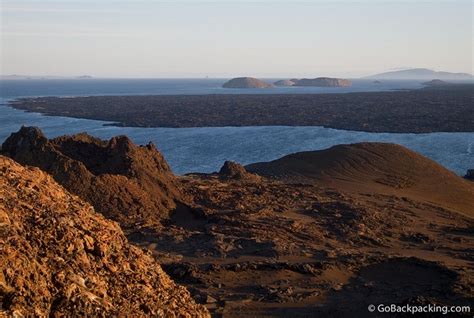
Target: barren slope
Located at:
point(60, 258)
point(128, 183)
point(375, 168)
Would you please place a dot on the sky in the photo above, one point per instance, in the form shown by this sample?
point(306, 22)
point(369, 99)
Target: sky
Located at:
point(227, 38)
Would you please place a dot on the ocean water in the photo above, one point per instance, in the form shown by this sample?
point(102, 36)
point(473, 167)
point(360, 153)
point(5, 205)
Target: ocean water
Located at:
point(65, 87)
point(205, 149)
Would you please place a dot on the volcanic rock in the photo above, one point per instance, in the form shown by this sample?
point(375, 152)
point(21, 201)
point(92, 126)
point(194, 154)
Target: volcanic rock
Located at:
point(59, 258)
point(378, 168)
point(233, 170)
point(246, 82)
point(127, 183)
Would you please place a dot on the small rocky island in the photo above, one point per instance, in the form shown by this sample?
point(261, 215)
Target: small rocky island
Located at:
point(435, 82)
point(286, 82)
point(315, 82)
point(246, 82)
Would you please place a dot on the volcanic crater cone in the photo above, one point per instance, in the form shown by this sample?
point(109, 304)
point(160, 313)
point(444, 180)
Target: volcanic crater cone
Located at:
point(375, 168)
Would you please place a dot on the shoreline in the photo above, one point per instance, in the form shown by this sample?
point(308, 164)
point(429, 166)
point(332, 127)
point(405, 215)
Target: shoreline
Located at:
point(447, 109)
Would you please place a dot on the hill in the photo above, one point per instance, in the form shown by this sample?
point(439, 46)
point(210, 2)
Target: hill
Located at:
point(128, 183)
point(375, 168)
point(421, 74)
point(246, 82)
point(61, 258)
point(323, 82)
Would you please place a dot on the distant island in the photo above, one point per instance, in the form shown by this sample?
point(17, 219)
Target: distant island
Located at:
point(315, 82)
point(246, 82)
point(40, 77)
point(436, 82)
point(250, 82)
point(420, 74)
point(286, 82)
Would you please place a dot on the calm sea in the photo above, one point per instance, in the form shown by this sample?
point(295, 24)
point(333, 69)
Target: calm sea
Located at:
point(205, 149)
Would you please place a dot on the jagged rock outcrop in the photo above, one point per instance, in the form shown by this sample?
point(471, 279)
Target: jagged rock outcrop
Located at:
point(246, 82)
point(323, 82)
point(127, 183)
point(58, 257)
point(233, 170)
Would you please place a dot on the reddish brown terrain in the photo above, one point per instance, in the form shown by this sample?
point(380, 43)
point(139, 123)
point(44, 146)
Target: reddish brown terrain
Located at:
point(376, 168)
point(59, 258)
point(315, 234)
point(127, 183)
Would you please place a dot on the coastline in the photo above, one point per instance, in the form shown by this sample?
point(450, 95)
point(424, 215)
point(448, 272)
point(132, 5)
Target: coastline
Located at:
point(401, 111)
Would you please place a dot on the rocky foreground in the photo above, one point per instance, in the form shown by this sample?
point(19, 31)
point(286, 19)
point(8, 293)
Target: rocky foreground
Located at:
point(61, 258)
point(321, 234)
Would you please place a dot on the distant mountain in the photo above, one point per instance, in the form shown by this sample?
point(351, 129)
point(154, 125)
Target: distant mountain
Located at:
point(421, 74)
point(36, 77)
point(28, 77)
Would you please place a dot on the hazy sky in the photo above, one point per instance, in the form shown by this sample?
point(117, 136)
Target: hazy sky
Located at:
point(184, 38)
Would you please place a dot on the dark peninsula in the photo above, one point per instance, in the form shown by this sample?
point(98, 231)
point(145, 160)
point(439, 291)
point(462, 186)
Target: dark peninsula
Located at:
point(448, 109)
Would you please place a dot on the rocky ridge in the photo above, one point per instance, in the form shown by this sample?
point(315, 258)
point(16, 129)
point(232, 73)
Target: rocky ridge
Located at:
point(127, 183)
